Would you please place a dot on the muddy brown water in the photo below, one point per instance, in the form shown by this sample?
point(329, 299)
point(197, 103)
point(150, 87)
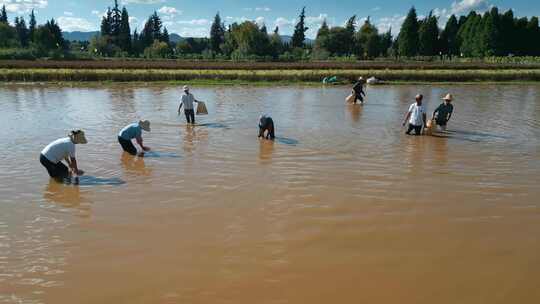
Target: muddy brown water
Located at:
point(342, 208)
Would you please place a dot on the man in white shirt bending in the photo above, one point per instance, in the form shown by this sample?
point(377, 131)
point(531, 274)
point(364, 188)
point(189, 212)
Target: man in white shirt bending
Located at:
point(187, 102)
point(62, 149)
point(416, 116)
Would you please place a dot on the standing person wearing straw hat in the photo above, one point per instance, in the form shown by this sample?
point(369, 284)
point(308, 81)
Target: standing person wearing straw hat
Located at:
point(358, 90)
point(63, 149)
point(133, 131)
point(187, 102)
point(443, 113)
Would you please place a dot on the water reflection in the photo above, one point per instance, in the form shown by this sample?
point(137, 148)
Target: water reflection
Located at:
point(192, 136)
point(355, 111)
point(134, 165)
point(266, 150)
point(67, 196)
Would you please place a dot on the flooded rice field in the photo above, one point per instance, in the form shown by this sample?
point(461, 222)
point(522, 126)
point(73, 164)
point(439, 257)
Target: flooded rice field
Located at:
point(342, 208)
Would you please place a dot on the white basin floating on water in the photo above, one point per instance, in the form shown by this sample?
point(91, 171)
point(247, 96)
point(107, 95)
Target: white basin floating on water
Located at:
point(373, 80)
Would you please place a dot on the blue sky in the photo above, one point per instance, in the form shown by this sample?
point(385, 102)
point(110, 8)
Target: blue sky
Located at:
point(193, 18)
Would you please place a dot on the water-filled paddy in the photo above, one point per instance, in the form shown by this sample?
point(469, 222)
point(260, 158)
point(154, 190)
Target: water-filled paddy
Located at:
point(342, 208)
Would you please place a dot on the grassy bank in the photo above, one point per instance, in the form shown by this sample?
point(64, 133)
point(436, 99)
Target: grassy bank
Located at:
point(296, 76)
point(137, 64)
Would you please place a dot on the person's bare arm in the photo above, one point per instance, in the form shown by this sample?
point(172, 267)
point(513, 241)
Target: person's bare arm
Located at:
point(424, 117)
point(180, 107)
point(407, 116)
point(140, 142)
point(72, 162)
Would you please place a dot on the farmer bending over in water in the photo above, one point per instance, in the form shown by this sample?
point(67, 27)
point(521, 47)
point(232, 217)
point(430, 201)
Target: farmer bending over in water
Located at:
point(133, 131)
point(62, 149)
point(266, 124)
point(416, 116)
point(358, 90)
point(187, 103)
point(443, 113)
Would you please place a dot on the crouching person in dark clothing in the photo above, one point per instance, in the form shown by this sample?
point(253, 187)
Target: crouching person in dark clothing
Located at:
point(63, 149)
point(266, 124)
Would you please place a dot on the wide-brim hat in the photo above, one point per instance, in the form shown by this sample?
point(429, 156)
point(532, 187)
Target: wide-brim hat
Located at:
point(145, 125)
point(78, 137)
point(448, 97)
point(186, 88)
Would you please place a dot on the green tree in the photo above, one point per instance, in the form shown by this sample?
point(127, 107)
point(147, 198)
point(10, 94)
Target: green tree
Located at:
point(508, 35)
point(337, 41)
point(490, 36)
point(116, 21)
point(428, 36)
point(368, 40)
point(299, 35)
point(408, 37)
point(251, 40)
point(165, 36)
point(385, 43)
point(32, 24)
point(8, 36)
point(449, 44)
point(276, 44)
point(322, 39)
point(350, 27)
point(3, 15)
point(48, 37)
point(533, 32)
point(158, 49)
point(106, 24)
point(124, 37)
point(22, 31)
point(217, 34)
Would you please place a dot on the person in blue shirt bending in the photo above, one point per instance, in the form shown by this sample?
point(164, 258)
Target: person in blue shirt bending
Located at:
point(134, 131)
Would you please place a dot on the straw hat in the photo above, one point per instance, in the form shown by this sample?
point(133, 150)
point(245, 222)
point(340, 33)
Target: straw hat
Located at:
point(448, 97)
point(145, 125)
point(78, 137)
point(186, 88)
point(360, 78)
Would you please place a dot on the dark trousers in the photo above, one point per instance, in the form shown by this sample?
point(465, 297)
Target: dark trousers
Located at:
point(417, 129)
point(358, 96)
point(58, 171)
point(127, 146)
point(190, 115)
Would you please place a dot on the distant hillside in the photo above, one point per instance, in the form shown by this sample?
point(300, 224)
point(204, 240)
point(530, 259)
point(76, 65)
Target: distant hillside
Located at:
point(86, 36)
point(79, 36)
point(288, 39)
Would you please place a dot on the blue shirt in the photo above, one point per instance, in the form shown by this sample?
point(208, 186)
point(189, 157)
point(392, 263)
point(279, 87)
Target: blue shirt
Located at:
point(131, 131)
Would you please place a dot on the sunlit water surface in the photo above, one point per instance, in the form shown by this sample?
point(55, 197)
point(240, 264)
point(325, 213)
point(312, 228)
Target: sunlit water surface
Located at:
point(342, 208)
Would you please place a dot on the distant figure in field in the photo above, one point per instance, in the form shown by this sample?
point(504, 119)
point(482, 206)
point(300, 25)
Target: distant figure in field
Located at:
point(443, 113)
point(266, 124)
point(133, 131)
point(358, 90)
point(63, 149)
point(416, 116)
point(187, 102)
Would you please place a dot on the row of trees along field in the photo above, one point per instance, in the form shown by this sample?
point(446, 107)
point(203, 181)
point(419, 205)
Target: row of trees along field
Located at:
point(475, 35)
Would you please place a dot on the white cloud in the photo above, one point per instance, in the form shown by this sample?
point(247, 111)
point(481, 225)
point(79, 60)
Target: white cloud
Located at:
point(259, 21)
point(465, 6)
point(194, 22)
point(71, 24)
point(376, 9)
point(394, 23)
point(316, 21)
point(258, 9)
point(125, 2)
point(23, 6)
point(282, 22)
point(168, 10)
point(194, 32)
point(96, 12)
point(68, 13)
